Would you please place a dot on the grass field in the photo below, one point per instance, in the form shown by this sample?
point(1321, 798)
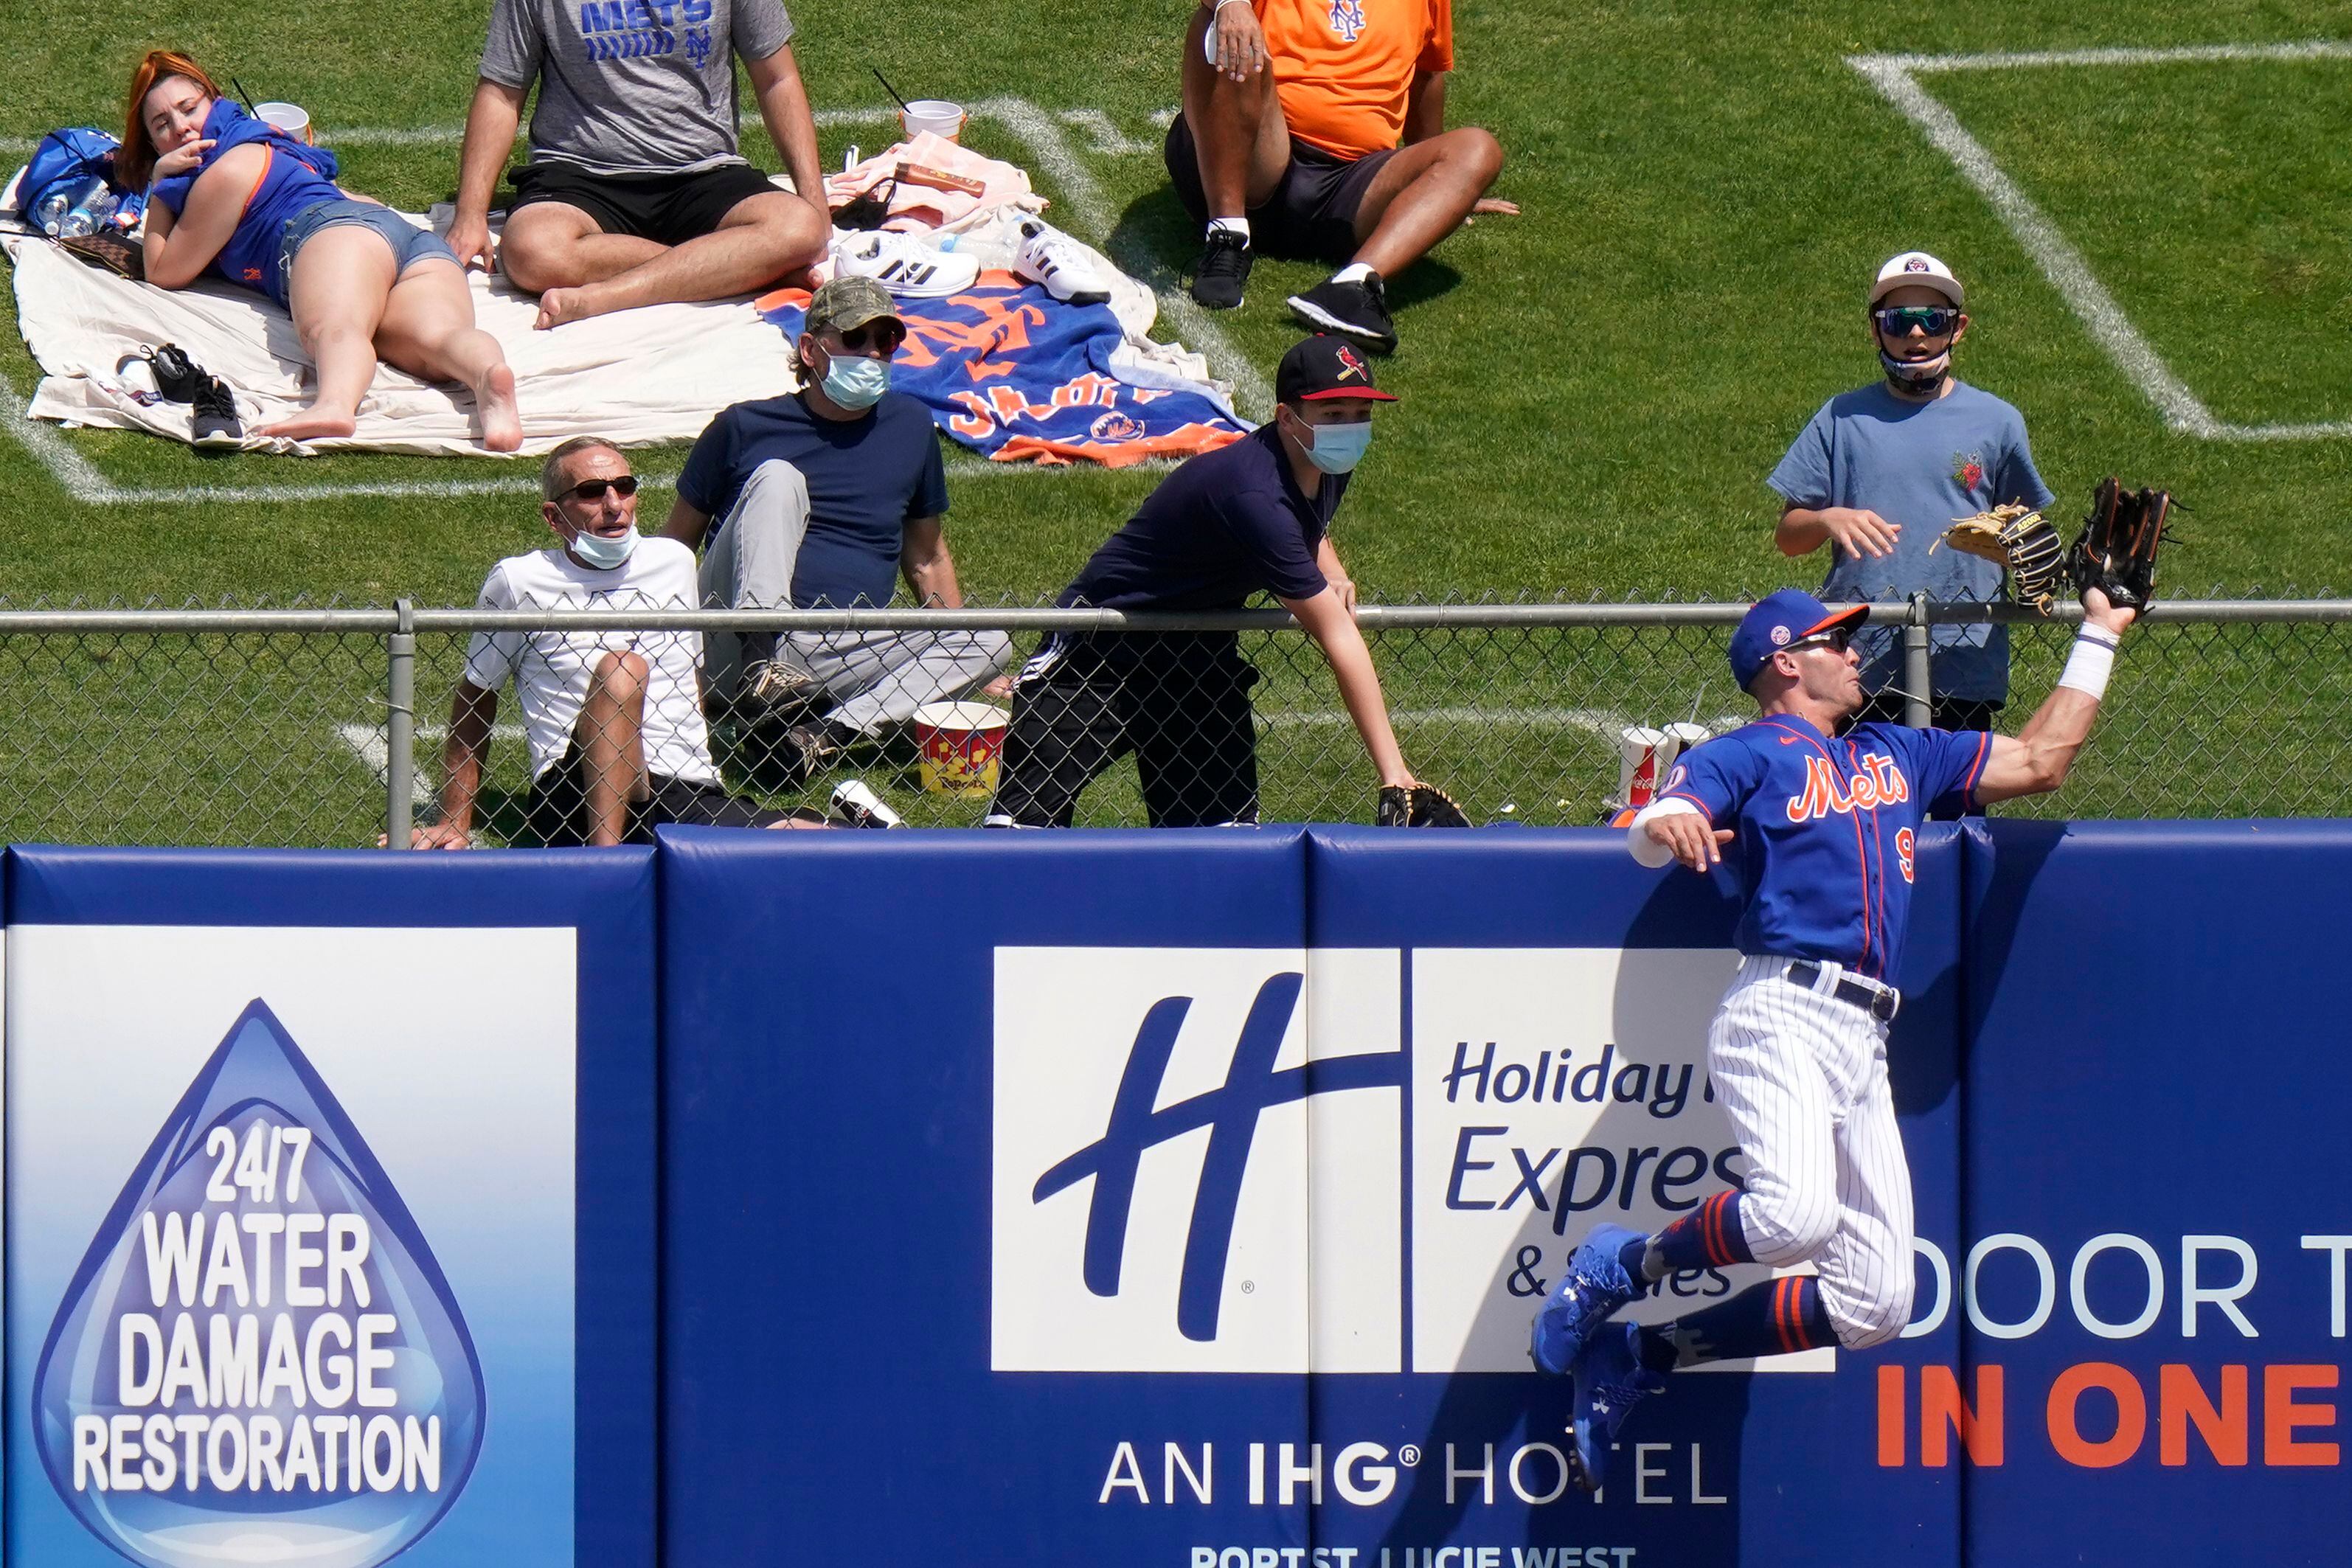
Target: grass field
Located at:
point(1593, 392)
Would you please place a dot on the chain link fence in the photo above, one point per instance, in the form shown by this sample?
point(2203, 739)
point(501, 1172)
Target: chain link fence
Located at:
point(324, 727)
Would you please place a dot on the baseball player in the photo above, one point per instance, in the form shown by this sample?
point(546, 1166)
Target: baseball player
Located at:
point(1824, 827)
point(1252, 517)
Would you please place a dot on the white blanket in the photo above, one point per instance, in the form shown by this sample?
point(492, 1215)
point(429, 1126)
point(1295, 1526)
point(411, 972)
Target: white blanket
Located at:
point(657, 373)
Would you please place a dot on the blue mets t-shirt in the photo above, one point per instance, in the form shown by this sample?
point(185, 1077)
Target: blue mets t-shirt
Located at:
point(1824, 831)
point(1920, 465)
point(1224, 526)
point(866, 477)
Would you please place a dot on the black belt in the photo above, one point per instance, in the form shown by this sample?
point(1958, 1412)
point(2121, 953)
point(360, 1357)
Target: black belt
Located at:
point(1880, 1001)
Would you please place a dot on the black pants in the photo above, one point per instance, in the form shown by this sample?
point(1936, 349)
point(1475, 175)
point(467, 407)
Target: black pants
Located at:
point(1179, 700)
point(556, 812)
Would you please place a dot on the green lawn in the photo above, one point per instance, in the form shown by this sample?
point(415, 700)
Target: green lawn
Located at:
point(1592, 393)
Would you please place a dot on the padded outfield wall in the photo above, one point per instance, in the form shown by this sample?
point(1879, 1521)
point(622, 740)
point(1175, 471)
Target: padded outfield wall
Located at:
point(1143, 1198)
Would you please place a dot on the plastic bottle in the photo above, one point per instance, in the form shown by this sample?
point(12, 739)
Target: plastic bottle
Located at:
point(49, 213)
point(89, 213)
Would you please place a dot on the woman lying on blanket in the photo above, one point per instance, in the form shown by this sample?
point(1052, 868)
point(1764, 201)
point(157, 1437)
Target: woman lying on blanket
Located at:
point(232, 197)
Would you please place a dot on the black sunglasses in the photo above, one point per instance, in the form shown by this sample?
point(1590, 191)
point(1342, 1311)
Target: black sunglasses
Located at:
point(1897, 320)
point(871, 335)
point(587, 492)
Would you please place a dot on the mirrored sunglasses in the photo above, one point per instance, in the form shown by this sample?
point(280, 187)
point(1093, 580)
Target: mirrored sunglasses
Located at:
point(1897, 320)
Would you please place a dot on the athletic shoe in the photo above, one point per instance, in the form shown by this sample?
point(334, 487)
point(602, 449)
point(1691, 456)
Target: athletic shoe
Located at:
point(1053, 259)
point(770, 689)
point(1224, 268)
point(215, 412)
point(1610, 1381)
point(905, 264)
point(1591, 1288)
point(1359, 309)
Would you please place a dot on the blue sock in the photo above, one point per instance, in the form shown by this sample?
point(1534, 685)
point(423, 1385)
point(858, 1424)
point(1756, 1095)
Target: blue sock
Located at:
point(1709, 1236)
point(1776, 1318)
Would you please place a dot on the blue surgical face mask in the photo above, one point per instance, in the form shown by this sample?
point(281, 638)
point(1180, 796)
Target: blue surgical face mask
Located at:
point(1336, 449)
point(855, 382)
point(601, 552)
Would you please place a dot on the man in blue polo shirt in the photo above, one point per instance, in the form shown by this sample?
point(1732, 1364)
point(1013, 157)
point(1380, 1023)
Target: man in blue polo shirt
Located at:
point(1249, 518)
point(824, 497)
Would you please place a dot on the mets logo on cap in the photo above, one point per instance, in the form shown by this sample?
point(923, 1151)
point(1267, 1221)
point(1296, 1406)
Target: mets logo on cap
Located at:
point(1917, 264)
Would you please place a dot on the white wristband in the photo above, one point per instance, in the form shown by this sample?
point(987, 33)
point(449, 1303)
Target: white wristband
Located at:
point(1647, 851)
point(2093, 660)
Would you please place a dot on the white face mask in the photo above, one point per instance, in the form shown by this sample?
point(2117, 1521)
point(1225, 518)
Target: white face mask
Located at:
point(603, 552)
point(1919, 374)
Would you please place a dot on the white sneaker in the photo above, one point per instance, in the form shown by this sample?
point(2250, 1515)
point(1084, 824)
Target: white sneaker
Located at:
point(1053, 259)
point(904, 265)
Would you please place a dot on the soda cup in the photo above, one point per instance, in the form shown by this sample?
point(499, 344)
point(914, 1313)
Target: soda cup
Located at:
point(859, 806)
point(1639, 767)
point(1680, 738)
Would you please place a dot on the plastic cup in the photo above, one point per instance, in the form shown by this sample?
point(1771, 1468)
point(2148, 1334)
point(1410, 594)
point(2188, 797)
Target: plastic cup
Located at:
point(958, 743)
point(936, 115)
point(1638, 765)
point(291, 118)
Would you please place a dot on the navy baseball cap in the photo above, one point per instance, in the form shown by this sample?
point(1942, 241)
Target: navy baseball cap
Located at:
point(1779, 619)
point(1323, 366)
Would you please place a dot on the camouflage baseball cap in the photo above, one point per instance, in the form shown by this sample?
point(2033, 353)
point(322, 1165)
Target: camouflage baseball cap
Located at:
point(848, 303)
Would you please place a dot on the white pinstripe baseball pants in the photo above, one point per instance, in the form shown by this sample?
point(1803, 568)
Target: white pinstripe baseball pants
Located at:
point(1803, 1077)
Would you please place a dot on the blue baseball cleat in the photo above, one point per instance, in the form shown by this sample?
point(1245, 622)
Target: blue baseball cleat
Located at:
point(1593, 1286)
point(1610, 1381)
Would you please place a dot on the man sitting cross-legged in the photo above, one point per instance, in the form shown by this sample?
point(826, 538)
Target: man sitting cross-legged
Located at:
point(636, 192)
point(1316, 129)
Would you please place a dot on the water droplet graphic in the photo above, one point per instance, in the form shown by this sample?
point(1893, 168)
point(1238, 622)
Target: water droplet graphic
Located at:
point(259, 1360)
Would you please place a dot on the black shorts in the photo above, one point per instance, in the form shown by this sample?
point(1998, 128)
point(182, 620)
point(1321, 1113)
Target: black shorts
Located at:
point(1310, 216)
point(668, 209)
point(1179, 700)
point(555, 814)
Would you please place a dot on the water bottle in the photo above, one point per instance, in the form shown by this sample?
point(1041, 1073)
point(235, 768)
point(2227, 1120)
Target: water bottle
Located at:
point(88, 214)
point(50, 212)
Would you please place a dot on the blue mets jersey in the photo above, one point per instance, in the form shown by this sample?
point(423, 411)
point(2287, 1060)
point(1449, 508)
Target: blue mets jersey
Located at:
point(1825, 828)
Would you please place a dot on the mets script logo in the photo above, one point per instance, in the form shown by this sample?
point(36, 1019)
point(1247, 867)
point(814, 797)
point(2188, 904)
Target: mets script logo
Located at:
point(1880, 782)
point(1347, 18)
point(1152, 1110)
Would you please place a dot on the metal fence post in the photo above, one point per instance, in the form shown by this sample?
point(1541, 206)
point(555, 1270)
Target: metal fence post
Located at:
point(400, 726)
point(1919, 710)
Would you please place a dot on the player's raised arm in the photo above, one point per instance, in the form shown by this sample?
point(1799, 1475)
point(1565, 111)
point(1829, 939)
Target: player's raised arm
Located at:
point(2036, 761)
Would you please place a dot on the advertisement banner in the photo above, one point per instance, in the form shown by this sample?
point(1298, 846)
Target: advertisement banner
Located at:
point(1197, 1190)
point(328, 1209)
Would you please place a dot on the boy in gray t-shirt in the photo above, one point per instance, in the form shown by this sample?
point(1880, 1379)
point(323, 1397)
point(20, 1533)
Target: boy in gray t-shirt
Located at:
point(1879, 473)
point(636, 191)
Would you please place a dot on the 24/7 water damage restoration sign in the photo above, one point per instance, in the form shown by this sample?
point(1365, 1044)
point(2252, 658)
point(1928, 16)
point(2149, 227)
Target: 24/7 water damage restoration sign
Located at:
point(292, 1272)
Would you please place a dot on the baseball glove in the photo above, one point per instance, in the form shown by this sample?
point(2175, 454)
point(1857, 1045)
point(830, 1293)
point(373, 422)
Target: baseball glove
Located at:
point(2115, 552)
point(2018, 538)
point(1418, 805)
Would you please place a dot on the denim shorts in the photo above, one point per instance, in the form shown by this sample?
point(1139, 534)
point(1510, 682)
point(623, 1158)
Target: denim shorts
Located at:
point(410, 244)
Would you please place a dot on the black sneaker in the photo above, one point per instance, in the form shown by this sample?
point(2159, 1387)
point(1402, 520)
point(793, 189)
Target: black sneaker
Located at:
point(1224, 268)
point(1359, 309)
point(215, 412)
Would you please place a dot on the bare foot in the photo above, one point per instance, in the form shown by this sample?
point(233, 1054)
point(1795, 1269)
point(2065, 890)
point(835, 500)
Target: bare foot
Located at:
point(558, 306)
point(312, 424)
point(501, 420)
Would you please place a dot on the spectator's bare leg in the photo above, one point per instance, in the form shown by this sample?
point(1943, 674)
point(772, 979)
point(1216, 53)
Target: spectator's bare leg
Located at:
point(1421, 195)
point(759, 240)
point(342, 279)
point(1238, 130)
point(551, 245)
point(611, 732)
point(428, 330)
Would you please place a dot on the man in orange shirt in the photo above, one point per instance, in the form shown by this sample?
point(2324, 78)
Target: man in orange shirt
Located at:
point(1316, 129)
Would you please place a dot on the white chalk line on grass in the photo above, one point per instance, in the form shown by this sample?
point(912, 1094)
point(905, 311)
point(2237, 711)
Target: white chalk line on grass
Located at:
point(1041, 131)
point(1896, 79)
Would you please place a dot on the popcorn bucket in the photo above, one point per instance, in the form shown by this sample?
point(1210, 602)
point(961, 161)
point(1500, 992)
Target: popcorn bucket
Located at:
point(291, 118)
point(958, 743)
point(936, 115)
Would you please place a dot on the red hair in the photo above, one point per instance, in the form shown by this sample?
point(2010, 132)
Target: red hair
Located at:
point(138, 155)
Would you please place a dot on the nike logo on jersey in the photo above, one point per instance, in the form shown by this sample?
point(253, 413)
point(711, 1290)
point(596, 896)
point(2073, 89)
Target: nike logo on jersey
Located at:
point(1880, 782)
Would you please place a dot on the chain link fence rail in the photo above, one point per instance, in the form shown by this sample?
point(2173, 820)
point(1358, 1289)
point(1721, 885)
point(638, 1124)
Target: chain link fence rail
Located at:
point(326, 727)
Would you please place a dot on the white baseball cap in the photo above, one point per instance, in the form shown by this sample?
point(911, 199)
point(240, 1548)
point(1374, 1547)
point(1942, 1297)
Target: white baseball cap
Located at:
point(1917, 266)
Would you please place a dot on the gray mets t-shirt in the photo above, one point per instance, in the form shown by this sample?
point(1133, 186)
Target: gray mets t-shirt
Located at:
point(631, 87)
point(1920, 465)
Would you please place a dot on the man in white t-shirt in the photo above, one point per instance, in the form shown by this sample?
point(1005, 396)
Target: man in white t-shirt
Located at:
point(614, 719)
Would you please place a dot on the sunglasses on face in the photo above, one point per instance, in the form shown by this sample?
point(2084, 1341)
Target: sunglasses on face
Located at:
point(1897, 320)
point(872, 335)
point(1835, 639)
point(588, 492)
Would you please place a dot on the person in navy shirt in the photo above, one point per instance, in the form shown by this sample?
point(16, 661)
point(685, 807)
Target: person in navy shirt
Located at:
point(1251, 517)
point(1822, 828)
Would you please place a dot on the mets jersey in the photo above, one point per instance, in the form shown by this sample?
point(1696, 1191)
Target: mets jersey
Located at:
point(1825, 829)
